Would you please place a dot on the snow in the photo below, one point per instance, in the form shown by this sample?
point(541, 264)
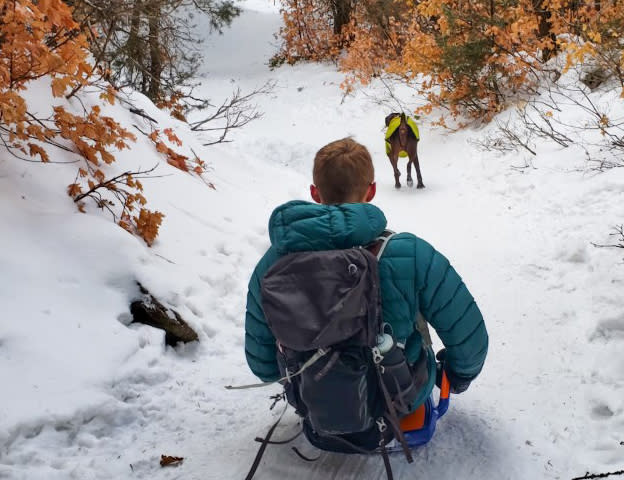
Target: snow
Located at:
point(85, 395)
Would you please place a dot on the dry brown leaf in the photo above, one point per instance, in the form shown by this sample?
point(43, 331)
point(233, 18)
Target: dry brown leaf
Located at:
point(166, 460)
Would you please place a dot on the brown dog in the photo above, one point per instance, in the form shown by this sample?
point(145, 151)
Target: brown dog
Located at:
point(402, 138)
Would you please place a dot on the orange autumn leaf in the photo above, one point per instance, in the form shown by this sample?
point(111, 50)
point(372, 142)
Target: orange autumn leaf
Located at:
point(99, 176)
point(161, 147)
point(37, 150)
point(59, 85)
point(178, 163)
point(153, 136)
point(172, 136)
point(73, 190)
point(107, 157)
point(147, 224)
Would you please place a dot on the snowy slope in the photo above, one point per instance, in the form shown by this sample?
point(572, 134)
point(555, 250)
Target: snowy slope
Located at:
point(86, 397)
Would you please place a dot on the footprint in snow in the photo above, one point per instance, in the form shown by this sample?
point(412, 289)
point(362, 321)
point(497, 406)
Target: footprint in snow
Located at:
point(609, 329)
point(602, 411)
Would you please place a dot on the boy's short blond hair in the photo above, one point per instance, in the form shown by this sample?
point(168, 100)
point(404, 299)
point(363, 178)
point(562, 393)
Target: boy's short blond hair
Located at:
point(343, 170)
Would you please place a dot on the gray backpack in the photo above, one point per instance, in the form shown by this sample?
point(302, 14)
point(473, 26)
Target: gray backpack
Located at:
point(324, 309)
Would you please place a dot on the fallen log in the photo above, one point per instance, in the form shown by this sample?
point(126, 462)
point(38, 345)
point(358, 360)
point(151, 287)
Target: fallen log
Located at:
point(149, 311)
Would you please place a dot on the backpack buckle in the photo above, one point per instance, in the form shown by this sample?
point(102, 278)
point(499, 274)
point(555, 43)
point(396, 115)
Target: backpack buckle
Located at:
point(381, 424)
point(377, 356)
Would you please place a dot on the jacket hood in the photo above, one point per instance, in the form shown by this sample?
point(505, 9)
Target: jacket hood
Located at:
point(303, 226)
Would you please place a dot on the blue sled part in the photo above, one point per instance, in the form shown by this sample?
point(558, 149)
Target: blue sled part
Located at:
point(417, 438)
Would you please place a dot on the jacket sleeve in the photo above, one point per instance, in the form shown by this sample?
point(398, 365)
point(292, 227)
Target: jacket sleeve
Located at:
point(260, 346)
point(448, 306)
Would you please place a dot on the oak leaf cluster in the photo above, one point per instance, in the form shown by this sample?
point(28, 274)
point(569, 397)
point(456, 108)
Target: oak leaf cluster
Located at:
point(41, 41)
point(472, 58)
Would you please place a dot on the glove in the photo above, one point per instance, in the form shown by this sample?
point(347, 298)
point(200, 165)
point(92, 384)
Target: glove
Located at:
point(458, 383)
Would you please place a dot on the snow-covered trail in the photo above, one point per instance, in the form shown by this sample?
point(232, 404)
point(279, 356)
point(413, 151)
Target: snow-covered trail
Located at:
point(520, 236)
point(549, 403)
point(521, 239)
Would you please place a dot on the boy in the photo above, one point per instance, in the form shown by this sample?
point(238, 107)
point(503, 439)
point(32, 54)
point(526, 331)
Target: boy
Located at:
point(415, 279)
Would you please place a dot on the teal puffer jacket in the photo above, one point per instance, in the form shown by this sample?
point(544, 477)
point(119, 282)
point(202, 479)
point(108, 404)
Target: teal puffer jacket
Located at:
point(415, 278)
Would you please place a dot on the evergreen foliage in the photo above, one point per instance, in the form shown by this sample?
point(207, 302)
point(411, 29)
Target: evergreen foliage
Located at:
point(151, 45)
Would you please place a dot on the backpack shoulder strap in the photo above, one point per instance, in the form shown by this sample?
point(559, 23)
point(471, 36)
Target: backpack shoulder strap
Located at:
point(377, 248)
point(423, 328)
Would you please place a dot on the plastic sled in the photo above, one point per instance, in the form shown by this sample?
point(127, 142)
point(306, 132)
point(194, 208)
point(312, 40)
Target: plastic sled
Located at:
point(418, 427)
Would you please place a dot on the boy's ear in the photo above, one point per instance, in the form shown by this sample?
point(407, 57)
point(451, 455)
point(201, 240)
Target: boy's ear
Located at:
point(370, 193)
point(314, 193)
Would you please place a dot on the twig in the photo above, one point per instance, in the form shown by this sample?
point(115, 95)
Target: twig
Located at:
point(135, 126)
point(165, 258)
point(599, 475)
point(391, 93)
point(96, 62)
point(141, 113)
point(111, 181)
point(11, 149)
point(598, 245)
point(619, 230)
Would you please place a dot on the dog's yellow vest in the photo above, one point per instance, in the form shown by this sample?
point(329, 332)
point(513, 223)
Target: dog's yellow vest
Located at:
point(394, 124)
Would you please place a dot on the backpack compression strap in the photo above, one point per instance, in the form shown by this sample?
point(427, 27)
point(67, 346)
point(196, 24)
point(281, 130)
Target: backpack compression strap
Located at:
point(321, 352)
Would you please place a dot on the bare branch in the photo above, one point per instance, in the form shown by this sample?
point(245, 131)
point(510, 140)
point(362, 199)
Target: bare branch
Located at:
point(141, 113)
point(598, 475)
point(108, 183)
point(510, 137)
point(619, 230)
point(236, 111)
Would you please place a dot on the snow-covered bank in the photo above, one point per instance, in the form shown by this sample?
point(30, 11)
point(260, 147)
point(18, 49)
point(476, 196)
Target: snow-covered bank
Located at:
point(71, 368)
point(86, 397)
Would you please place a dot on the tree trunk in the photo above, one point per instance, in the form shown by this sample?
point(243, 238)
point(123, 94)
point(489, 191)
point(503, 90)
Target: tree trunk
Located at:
point(544, 28)
point(341, 11)
point(155, 52)
point(133, 45)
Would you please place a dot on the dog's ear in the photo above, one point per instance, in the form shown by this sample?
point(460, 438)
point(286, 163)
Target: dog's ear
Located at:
point(390, 117)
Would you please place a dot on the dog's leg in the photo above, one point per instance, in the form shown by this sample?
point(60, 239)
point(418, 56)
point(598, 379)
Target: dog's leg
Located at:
point(410, 182)
point(420, 183)
point(393, 160)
